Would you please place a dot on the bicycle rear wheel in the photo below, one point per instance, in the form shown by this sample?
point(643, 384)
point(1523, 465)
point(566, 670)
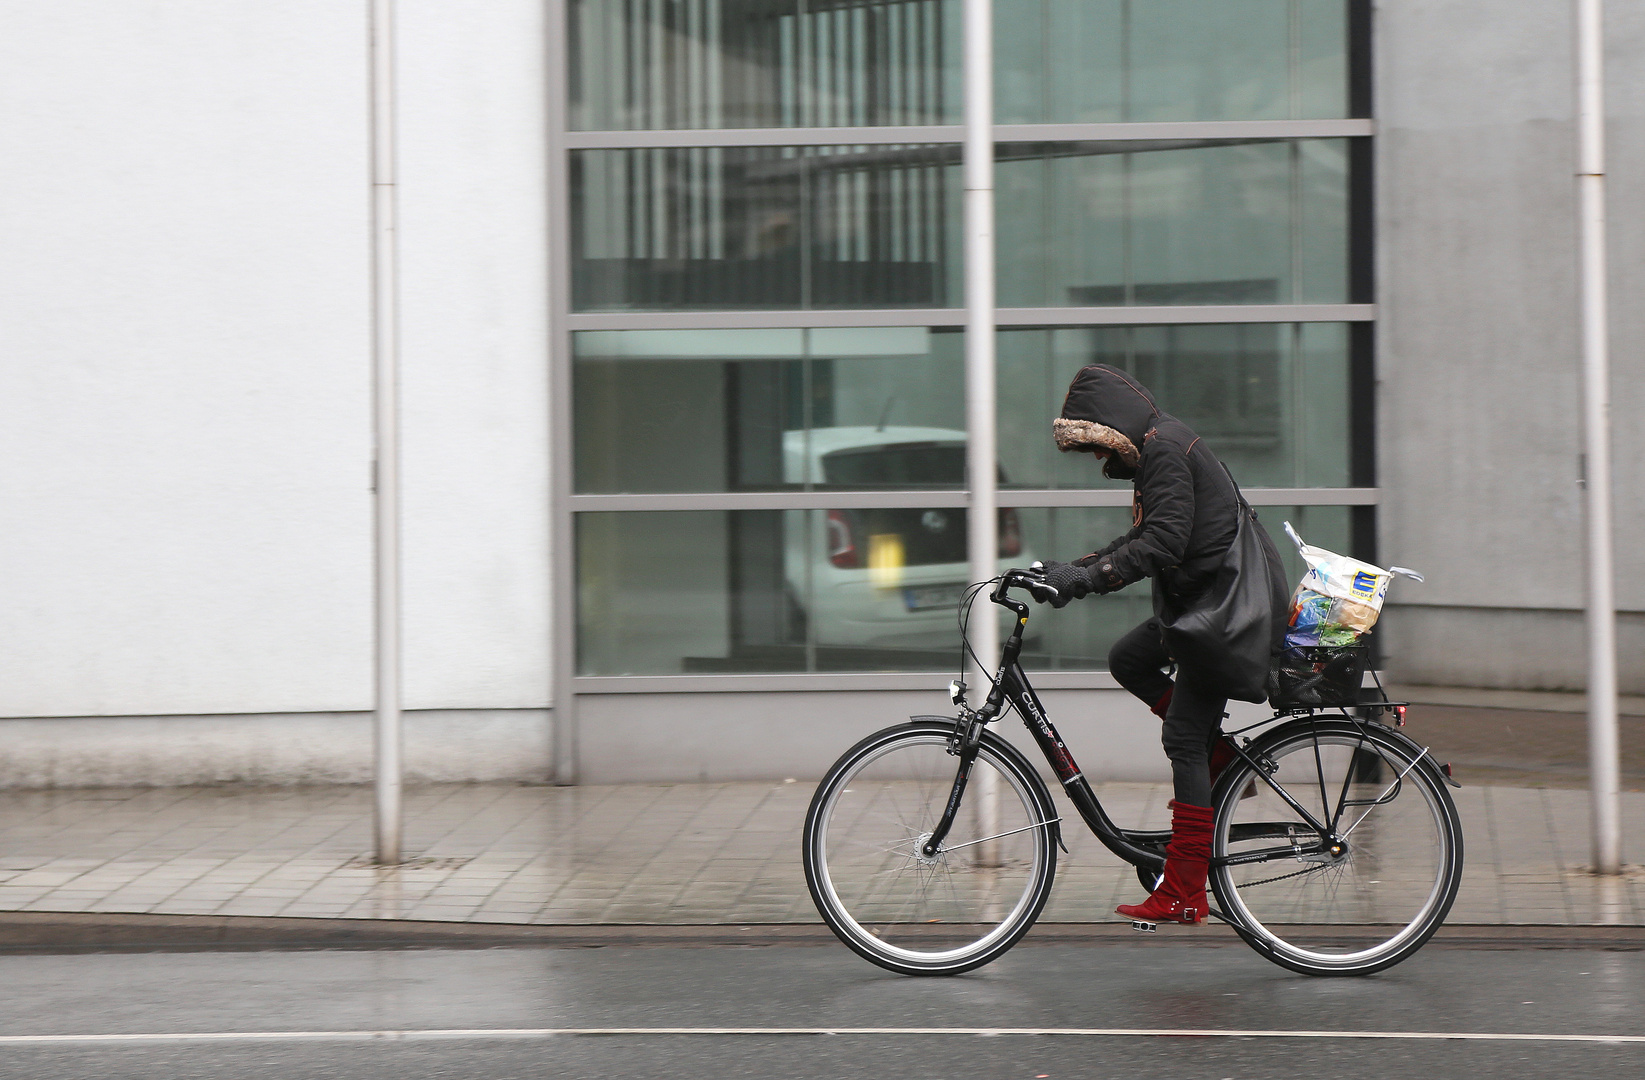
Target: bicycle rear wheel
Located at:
point(900, 909)
point(1375, 888)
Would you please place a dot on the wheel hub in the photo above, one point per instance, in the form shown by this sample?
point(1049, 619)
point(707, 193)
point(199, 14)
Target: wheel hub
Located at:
point(1331, 850)
point(919, 851)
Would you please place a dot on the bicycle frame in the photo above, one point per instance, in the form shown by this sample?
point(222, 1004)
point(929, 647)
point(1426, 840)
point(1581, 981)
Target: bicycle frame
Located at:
point(1142, 848)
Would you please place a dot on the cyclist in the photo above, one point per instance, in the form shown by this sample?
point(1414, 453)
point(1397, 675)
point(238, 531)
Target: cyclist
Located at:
point(1184, 517)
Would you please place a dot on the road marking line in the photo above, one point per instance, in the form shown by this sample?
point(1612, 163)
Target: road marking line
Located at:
point(413, 1034)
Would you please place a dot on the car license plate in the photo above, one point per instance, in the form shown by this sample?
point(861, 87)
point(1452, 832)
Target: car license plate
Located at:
point(926, 597)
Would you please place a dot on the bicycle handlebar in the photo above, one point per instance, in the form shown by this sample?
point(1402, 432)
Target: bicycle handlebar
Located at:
point(1032, 579)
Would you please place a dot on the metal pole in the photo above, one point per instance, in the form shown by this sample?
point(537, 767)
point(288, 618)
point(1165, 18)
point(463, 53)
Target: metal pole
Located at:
point(1603, 763)
point(980, 456)
point(386, 431)
point(562, 526)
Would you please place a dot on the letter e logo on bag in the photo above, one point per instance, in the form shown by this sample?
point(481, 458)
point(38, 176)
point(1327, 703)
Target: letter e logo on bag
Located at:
point(1364, 584)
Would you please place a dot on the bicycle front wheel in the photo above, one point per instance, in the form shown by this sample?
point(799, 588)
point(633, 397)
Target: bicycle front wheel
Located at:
point(940, 914)
point(1370, 889)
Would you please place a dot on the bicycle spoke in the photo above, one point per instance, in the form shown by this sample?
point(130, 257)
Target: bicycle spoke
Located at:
point(953, 895)
point(1378, 801)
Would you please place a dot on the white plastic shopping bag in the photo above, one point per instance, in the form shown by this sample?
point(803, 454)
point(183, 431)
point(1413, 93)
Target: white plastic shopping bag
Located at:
point(1339, 599)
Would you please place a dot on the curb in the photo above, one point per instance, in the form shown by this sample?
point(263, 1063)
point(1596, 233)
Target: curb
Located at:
point(30, 931)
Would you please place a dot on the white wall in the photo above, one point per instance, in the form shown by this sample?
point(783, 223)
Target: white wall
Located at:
point(185, 513)
point(474, 253)
point(183, 467)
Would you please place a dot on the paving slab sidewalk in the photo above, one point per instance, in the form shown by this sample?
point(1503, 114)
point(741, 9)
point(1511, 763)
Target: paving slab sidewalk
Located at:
point(685, 854)
point(722, 854)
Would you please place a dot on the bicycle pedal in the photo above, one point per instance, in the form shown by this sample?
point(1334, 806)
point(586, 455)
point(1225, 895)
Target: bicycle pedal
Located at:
point(1143, 927)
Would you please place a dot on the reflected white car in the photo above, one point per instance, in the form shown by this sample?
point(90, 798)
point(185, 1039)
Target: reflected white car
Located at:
point(888, 577)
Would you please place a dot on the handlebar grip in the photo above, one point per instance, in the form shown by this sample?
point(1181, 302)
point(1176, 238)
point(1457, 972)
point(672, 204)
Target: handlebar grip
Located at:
point(1037, 586)
point(1042, 592)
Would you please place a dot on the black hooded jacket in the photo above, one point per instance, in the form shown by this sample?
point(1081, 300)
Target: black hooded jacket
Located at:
point(1184, 510)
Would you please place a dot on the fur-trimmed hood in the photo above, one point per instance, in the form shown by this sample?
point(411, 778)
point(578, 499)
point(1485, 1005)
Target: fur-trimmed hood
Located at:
point(1074, 435)
point(1105, 408)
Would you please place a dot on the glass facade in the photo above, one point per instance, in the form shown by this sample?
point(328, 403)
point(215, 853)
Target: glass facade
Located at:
point(1131, 61)
point(1273, 400)
point(769, 410)
point(847, 589)
point(694, 64)
point(1099, 225)
point(874, 408)
point(761, 486)
point(1080, 225)
point(853, 589)
point(652, 64)
point(722, 228)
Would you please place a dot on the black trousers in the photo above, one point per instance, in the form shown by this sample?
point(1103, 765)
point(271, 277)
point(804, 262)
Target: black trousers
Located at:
point(1193, 721)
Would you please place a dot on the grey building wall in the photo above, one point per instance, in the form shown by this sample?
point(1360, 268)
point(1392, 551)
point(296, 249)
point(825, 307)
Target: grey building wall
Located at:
point(269, 748)
point(1479, 422)
point(715, 737)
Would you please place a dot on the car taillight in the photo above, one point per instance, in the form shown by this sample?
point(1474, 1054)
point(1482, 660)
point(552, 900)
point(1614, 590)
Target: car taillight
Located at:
point(842, 547)
point(1010, 535)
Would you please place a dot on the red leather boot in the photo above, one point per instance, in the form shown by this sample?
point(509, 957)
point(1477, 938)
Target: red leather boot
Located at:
point(1181, 893)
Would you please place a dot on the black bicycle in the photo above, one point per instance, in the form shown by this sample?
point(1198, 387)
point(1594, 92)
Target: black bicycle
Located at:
point(1336, 848)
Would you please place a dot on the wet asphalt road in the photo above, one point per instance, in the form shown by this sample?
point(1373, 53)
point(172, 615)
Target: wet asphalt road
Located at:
point(1158, 984)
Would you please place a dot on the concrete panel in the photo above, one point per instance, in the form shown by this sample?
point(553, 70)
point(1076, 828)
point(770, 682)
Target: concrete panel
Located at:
point(1477, 292)
point(760, 736)
point(1502, 648)
point(298, 748)
point(1479, 379)
point(1625, 235)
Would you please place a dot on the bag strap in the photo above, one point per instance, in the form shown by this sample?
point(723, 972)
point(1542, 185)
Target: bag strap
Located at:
point(1238, 494)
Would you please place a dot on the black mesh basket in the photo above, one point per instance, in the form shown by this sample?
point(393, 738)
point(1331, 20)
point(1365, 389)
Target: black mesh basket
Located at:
point(1317, 675)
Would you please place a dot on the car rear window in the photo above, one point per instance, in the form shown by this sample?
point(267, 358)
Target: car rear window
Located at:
point(905, 464)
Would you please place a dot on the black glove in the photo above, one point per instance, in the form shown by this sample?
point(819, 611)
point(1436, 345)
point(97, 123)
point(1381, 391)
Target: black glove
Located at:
point(1070, 581)
point(1104, 578)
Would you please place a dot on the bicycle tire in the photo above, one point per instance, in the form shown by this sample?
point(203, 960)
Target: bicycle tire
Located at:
point(896, 908)
point(1366, 908)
